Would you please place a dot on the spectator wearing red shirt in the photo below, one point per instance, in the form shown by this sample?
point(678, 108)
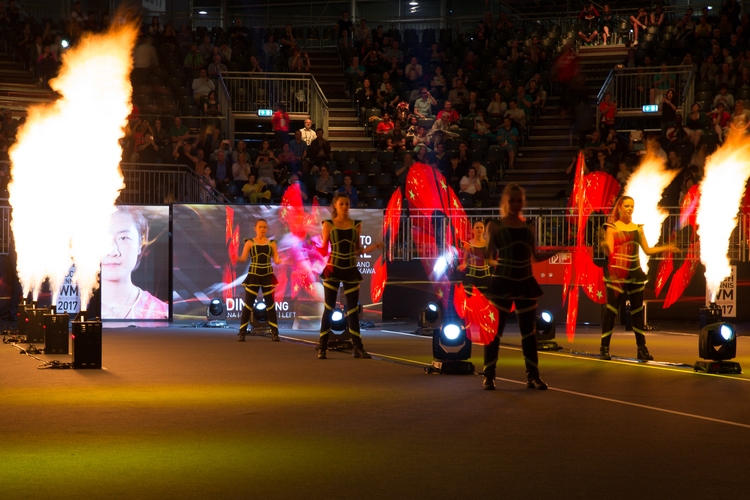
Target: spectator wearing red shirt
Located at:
point(453, 115)
point(280, 123)
point(608, 109)
point(384, 128)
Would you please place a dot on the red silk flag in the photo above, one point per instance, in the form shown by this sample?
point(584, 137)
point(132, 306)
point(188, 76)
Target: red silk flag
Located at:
point(683, 276)
point(666, 267)
point(379, 279)
point(459, 300)
point(392, 219)
point(292, 212)
point(482, 318)
point(421, 188)
point(590, 276)
point(572, 317)
point(601, 191)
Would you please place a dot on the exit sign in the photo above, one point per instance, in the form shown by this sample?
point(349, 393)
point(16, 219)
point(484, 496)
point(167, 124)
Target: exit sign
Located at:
point(651, 108)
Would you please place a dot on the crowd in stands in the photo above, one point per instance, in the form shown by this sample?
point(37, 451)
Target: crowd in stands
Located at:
point(473, 98)
point(463, 104)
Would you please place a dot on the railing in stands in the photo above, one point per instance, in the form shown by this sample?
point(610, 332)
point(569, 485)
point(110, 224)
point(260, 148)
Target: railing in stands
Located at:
point(5, 236)
point(299, 92)
point(632, 88)
point(157, 184)
point(552, 228)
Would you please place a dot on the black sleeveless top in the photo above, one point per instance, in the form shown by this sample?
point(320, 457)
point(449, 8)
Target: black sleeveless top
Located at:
point(513, 278)
point(261, 271)
point(342, 262)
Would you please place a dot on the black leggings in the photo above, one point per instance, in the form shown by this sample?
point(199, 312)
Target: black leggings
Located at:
point(614, 296)
point(251, 294)
point(351, 292)
point(526, 314)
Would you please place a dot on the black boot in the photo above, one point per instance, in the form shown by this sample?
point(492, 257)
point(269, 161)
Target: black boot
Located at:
point(604, 353)
point(643, 353)
point(241, 336)
point(534, 382)
point(322, 354)
point(488, 384)
point(275, 335)
point(359, 352)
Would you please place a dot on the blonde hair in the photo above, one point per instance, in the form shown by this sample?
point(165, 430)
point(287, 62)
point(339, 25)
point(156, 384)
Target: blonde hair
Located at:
point(614, 215)
point(505, 198)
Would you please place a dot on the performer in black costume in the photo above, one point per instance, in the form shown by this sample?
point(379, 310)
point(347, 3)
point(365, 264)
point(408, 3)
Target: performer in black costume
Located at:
point(513, 243)
point(474, 263)
point(343, 234)
point(623, 273)
point(260, 276)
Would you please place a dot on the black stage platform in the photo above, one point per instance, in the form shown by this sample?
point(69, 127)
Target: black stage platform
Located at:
point(192, 413)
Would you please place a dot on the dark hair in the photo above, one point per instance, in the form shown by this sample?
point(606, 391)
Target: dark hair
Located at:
point(260, 220)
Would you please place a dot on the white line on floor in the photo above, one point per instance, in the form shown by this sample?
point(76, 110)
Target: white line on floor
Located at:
point(637, 405)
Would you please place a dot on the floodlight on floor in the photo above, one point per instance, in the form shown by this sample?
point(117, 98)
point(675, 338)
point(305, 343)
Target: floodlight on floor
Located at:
point(259, 324)
point(717, 343)
point(545, 332)
point(340, 338)
point(451, 349)
point(216, 314)
point(429, 319)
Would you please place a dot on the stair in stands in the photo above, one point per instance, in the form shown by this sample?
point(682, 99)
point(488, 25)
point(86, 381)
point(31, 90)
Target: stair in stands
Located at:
point(344, 131)
point(17, 88)
point(549, 149)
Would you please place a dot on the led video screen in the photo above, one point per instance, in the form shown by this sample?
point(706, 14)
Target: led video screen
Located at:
point(208, 238)
point(135, 272)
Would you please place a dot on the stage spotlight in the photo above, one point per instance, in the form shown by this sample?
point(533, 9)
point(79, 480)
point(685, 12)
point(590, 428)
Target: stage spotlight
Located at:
point(216, 314)
point(716, 344)
point(340, 337)
point(429, 319)
point(259, 319)
point(545, 332)
point(338, 320)
point(65, 44)
point(450, 348)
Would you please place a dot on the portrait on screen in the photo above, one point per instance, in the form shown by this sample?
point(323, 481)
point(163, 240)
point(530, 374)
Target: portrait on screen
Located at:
point(134, 276)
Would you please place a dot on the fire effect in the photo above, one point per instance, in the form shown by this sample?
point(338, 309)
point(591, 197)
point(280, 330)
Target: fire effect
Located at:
point(646, 186)
point(721, 192)
point(62, 203)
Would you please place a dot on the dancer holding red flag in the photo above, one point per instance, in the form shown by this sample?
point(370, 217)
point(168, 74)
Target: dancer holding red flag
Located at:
point(260, 276)
point(343, 234)
point(513, 282)
point(475, 264)
point(623, 273)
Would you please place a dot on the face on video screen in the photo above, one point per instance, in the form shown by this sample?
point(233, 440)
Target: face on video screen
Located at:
point(126, 241)
point(135, 271)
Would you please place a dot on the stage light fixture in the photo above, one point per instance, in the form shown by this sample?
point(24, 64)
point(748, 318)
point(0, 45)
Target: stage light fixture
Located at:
point(429, 319)
point(545, 332)
point(451, 349)
point(216, 314)
point(340, 337)
point(338, 320)
point(717, 343)
point(65, 44)
point(259, 319)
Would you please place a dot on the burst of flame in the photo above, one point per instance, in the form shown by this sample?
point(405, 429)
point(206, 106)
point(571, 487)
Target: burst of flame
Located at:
point(646, 186)
point(722, 188)
point(62, 203)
